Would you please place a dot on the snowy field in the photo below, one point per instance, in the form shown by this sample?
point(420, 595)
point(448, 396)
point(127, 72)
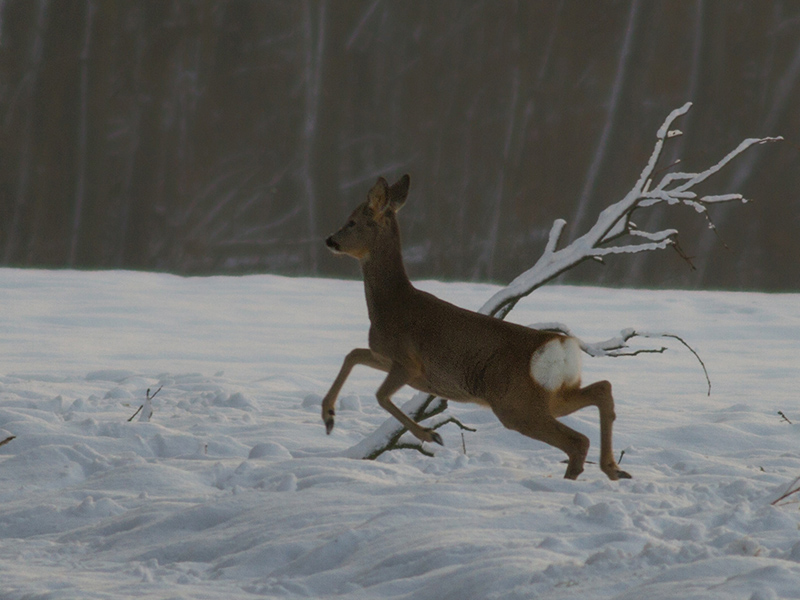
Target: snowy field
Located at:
point(233, 490)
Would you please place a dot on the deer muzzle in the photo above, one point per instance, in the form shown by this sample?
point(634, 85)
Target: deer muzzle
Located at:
point(332, 244)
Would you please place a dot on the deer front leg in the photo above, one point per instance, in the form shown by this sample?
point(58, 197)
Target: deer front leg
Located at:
point(398, 376)
point(358, 356)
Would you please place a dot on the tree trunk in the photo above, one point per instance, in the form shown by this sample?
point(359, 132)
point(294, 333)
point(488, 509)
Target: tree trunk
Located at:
point(135, 136)
point(592, 175)
point(314, 45)
point(80, 186)
point(26, 158)
point(782, 99)
point(486, 260)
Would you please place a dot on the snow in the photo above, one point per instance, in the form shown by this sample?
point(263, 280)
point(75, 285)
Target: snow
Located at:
point(233, 490)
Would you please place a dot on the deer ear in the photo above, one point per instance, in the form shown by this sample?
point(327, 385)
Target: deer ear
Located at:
point(398, 192)
point(378, 197)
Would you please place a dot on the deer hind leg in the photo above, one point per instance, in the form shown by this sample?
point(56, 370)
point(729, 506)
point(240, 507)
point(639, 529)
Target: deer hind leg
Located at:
point(598, 394)
point(398, 376)
point(359, 356)
point(522, 416)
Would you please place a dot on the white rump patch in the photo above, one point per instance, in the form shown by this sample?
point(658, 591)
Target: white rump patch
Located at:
point(557, 363)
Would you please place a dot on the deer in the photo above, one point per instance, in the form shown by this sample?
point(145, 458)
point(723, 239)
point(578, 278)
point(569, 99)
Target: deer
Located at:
point(527, 377)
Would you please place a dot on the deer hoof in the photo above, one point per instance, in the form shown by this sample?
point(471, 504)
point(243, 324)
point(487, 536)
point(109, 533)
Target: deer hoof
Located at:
point(435, 437)
point(329, 423)
point(616, 474)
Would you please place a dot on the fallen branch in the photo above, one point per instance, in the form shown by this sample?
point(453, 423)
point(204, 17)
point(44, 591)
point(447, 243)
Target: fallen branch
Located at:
point(8, 439)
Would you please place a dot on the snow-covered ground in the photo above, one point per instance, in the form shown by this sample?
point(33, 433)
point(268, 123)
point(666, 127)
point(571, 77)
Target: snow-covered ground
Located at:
point(233, 490)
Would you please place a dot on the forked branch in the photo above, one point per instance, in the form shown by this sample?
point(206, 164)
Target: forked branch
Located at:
point(615, 221)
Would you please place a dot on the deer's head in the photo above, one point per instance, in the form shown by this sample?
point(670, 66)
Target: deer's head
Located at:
point(372, 221)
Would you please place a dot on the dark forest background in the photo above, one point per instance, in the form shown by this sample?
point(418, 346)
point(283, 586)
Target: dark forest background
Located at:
point(231, 136)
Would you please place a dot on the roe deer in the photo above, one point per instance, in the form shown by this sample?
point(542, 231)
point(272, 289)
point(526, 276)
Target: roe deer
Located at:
point(527, 377)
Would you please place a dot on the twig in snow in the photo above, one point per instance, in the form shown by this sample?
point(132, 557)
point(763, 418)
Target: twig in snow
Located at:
point(8, 439)
point(147, 407)
point(136, 413)
point(784, 417)
point(793, 489)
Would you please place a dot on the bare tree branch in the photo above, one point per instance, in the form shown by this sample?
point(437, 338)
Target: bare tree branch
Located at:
point(26, 92)
point(82, 151)
point(614, 221)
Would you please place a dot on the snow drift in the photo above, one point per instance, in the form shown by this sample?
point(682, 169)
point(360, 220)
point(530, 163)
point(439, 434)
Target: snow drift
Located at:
point(233, 490)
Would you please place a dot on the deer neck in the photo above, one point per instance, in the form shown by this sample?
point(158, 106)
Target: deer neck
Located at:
point(386, 283)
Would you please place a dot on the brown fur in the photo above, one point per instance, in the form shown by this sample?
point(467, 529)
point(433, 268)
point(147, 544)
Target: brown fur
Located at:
point(436, 347)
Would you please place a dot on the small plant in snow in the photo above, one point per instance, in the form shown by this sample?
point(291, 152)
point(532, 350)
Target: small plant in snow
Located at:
point(146, 408)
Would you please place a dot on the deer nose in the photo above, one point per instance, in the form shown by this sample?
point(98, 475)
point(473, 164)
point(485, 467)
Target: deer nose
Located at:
point(331, 243)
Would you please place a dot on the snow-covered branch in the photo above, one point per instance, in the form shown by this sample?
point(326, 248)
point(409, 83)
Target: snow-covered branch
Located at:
point(612, 223)
point(618, 345)
point(389, 435)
